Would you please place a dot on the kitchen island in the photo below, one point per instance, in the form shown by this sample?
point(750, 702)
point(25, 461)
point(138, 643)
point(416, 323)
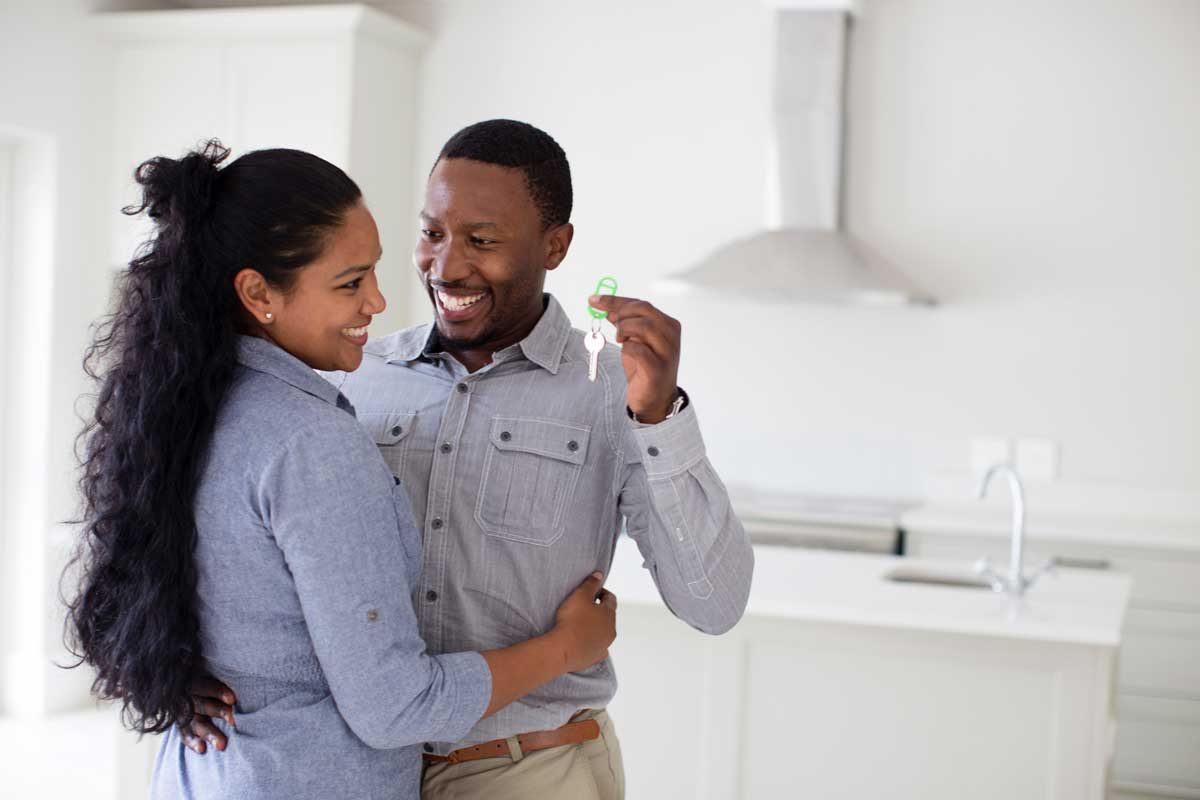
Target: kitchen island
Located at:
point(840, 682)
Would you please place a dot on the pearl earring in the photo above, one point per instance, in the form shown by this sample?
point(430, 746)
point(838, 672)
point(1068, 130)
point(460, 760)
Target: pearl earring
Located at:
point(270, 316)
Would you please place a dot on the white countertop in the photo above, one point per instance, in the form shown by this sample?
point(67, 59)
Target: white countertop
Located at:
point(1076, 606)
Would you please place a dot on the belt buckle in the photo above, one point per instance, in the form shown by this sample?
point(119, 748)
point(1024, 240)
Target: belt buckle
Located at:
point(453, 757)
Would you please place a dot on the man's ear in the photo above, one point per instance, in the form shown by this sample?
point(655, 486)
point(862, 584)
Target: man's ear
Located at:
point(256, 295)
point(558, 242)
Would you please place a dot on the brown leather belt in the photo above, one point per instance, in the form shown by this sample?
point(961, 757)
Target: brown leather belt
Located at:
point(571, 733)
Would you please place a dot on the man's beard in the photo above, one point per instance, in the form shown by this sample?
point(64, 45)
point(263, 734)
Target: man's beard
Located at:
point(489, 334)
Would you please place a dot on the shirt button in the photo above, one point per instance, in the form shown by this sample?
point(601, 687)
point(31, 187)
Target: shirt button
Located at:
point(462, 388)
point(431, 596)
point(572, 445)
point(372, 615)
point(505, 436)
point(446, 447)
point(652, 451)
point(396, 431)
point(428, 747)
point(436, 523)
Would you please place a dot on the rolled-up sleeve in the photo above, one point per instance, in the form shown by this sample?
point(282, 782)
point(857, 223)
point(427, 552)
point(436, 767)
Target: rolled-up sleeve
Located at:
point(348, 539)
point(677, 510)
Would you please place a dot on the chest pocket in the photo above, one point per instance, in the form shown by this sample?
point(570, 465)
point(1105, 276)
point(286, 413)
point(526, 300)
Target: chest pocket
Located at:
point(529, 477)
point(392, 431)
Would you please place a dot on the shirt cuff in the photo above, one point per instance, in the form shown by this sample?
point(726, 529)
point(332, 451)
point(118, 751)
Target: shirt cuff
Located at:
point(469, 672)
point(671, 446)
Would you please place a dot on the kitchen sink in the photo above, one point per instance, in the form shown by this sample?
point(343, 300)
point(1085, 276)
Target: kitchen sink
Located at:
point(937, 577)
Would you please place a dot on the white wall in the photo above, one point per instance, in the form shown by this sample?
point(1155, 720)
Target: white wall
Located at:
point(1032, 163)
point(57, 284)
point(54, 97)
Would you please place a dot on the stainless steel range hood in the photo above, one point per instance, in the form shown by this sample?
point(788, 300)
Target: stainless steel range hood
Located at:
point(804, 255)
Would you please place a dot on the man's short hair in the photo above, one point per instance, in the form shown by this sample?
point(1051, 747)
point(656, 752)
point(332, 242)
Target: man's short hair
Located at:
point(519, 145)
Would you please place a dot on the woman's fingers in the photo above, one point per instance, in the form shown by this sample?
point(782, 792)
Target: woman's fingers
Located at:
point(202, 727)
point(205, 686)
point(213, 708)
point(192, 742)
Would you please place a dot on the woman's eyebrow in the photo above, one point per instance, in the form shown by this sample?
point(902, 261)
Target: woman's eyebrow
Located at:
point(349, 270)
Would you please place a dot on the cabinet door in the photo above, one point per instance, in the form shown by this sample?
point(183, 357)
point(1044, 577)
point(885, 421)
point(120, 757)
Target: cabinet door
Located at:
point(858, 712)
point(167, 97)
point(662, 711)
point(1160, 654)
point(171, 95)
point(291, 94)
point(1158, 746)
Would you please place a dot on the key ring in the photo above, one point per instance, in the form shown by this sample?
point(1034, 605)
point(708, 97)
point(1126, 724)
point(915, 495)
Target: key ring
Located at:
point(606, 285)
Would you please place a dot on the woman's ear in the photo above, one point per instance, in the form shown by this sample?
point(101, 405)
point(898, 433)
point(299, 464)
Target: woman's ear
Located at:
point(256, 296)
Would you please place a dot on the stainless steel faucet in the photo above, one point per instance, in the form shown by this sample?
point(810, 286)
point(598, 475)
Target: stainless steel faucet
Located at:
point(1017, 581)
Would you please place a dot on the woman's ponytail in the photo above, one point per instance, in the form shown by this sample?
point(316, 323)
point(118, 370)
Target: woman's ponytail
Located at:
point(163, 361)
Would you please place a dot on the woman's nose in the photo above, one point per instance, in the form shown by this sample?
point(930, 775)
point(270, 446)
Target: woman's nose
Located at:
point(375, 302)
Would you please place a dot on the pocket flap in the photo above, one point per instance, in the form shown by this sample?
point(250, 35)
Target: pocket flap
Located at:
point(542, 437)
point(389, 428)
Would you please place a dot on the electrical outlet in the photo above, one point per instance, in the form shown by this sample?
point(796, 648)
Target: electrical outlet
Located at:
point(989, 450)
point(1037, 459)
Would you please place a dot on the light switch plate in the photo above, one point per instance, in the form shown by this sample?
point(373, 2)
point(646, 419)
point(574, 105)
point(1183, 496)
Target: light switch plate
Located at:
point(989, 450)
point(1037, 459)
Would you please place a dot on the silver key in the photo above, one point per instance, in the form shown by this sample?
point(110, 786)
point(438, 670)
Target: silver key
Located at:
point(593, 342)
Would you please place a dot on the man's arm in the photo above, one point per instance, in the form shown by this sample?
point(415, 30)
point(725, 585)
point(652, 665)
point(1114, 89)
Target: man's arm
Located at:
point(675, 506)
point(677, 511)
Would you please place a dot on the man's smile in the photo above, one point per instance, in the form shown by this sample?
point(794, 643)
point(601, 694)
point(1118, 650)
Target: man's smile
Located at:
point(460, 305)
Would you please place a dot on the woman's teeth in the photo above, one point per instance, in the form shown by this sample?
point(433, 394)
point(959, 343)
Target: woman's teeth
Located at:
point(354, 333)
point(452, 303)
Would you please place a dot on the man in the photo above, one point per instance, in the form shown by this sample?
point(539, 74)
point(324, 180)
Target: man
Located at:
point(521, 471)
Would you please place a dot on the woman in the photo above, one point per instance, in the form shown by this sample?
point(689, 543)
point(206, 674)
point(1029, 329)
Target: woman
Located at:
point(238, 520)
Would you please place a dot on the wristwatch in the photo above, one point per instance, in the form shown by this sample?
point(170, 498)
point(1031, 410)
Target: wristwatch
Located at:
point(681, 402)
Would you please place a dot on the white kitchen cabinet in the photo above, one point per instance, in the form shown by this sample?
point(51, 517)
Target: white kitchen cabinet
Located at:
point(337, 81)
point(840, 684)
point(1158, 746)
point(1158, 701)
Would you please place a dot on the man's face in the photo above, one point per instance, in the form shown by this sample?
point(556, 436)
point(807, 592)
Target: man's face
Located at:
point(483, 254)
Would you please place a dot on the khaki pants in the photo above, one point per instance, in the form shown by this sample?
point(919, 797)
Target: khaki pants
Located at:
point(590, 770)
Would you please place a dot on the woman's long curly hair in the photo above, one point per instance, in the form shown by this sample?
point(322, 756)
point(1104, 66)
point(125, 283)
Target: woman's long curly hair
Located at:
point(163, 361)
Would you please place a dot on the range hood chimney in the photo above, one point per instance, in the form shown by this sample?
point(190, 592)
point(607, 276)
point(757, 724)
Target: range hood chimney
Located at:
point(804, 255)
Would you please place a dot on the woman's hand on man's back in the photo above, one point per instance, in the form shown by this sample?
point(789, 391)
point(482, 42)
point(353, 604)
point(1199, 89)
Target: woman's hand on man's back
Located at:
point(210, 698)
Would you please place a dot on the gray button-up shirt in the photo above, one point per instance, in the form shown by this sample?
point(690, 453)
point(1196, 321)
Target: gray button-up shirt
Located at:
point(520, 475)
point(307, 556)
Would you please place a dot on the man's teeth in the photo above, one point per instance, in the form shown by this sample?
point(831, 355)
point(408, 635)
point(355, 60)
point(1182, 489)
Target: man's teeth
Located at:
point(354, 333)
point(452, 303)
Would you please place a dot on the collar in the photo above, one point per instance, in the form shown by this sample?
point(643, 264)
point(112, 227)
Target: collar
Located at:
point(543, 346)
point(263, 356)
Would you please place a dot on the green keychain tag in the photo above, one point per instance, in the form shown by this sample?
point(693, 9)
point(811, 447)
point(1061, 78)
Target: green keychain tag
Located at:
point(606, 285)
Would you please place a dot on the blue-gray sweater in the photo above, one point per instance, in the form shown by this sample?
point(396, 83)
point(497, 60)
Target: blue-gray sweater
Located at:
point(307, 555)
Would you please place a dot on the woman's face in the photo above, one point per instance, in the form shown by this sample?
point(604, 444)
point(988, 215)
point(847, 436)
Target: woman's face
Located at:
point(323, 319)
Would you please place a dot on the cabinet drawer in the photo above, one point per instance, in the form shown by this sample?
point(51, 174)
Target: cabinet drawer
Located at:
point(1160, 581)
point(1160, 653)
point(1158, 745)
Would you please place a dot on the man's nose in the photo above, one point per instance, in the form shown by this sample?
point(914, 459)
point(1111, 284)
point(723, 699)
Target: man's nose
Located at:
point(447, 263)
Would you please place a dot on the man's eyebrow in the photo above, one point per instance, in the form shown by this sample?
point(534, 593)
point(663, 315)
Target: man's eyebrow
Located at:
point(473, 226)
